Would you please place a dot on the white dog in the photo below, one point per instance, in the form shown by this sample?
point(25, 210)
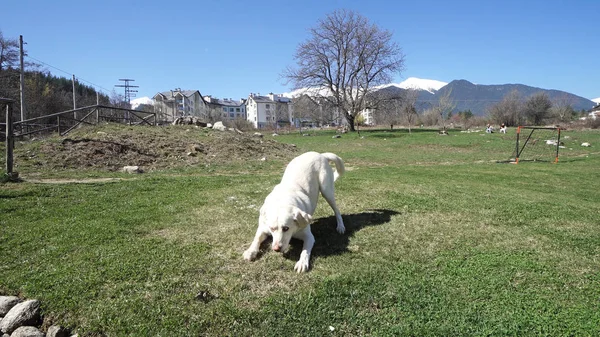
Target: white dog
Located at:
point(288, 209)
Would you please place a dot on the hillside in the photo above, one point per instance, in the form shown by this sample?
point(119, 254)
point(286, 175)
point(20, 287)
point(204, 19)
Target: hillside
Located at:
point(478, 97)
point(109, 147)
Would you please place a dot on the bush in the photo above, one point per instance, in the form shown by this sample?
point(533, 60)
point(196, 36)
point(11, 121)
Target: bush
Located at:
point(593, 123)
point(240, 124)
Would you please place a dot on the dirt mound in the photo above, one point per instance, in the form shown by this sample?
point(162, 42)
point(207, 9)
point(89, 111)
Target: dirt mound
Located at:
point(113, 146)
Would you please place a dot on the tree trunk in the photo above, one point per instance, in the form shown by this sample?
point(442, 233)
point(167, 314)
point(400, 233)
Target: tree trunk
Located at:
point(350, 119)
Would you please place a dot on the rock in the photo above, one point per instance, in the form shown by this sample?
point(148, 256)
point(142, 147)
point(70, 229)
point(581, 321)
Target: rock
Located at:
point(275, 135)
point(57, 331)
point(258, 134)
point(337, 136)
point(189, 120)
point(132, 169)
point(586, 144)
point(25, 313)
point(193, 149)
point(27, 331)
point(219, 126)
point(6, 303)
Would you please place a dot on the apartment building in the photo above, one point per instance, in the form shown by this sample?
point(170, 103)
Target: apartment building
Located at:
point(225, 108)
point(273, 110)
point(177, 103)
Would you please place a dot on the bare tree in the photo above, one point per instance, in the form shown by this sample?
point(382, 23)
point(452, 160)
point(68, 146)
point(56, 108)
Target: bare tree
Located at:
point(562, 109)
point(508, 111)
point(305, 109)
point(389, 112)
point(409, 107)
point(214, 113)
point(282, 114)
point(346, 56)
point(537, 108)
point(444, 107)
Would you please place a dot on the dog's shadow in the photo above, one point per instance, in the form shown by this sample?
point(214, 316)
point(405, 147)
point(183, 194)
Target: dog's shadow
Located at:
point(328, 241)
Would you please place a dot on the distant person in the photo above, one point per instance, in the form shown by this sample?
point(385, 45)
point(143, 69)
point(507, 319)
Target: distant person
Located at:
point(503, 128)
point(489, 129)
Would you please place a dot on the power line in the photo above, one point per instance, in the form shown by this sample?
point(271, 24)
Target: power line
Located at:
point(68, 73)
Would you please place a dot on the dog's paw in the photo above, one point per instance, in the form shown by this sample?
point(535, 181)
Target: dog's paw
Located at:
point(250, 255)
point(340, 228)
point(302, 265)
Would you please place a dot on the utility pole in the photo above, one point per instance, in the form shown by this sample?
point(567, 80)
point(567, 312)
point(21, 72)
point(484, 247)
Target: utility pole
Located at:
point(74, 102)
point(22, 87)
point(128, 92)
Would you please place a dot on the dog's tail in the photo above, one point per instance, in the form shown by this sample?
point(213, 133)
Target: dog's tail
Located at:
point(339, 164)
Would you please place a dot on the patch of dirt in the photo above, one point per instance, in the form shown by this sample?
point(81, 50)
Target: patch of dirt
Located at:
point(112, 147)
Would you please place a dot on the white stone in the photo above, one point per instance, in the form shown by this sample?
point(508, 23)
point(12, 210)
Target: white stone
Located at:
point(57, 331)
point(22, 314)
point(27, 331)
point(132, 169)
point(6, 303)
point(219, 126)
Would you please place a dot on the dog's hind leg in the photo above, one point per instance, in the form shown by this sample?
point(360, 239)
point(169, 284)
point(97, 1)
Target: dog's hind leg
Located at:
point(329, 195)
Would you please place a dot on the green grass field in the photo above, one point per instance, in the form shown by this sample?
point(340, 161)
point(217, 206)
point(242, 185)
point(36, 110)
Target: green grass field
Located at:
point(441, 241)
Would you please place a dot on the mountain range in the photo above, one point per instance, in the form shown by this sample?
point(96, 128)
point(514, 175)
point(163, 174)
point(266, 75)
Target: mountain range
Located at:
point(466, 95)
point(478, 97)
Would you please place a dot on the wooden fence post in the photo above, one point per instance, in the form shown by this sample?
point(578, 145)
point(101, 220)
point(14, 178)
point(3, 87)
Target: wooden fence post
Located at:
point(10, 139)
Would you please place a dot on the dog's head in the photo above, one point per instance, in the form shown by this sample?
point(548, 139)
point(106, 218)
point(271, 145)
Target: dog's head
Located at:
point(282, 223)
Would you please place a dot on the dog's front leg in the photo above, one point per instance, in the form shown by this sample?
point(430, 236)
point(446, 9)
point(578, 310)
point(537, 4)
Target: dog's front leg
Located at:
point(309, 240)
point(252, 251)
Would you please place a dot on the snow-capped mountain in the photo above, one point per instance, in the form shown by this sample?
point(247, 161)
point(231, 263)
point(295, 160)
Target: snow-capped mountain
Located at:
point(419, 84)
point(141, 100)
point(410, 83)
point(596, 100)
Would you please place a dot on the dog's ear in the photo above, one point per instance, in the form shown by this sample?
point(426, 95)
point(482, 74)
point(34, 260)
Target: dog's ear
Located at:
point(302, 218)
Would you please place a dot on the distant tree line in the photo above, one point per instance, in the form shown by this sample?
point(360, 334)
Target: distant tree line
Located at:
point(44, 93)
point(537, 109)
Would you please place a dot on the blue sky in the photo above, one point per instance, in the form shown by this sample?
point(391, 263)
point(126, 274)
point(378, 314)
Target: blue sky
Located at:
point(229, 49)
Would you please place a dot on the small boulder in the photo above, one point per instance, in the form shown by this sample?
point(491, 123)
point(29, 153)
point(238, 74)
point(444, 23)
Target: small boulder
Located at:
point(57, 331)
point(586, 144)
point(27, 331)
point(336, 136)
point(193, 149)
point(258, 134)
point(219, 126)
point(132, 169)
point(6, 303)
point(22, 314)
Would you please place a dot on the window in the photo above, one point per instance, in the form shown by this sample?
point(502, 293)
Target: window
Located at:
point(224, 109)
point(230, 109)
point(268, 106)
point(237, 109)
